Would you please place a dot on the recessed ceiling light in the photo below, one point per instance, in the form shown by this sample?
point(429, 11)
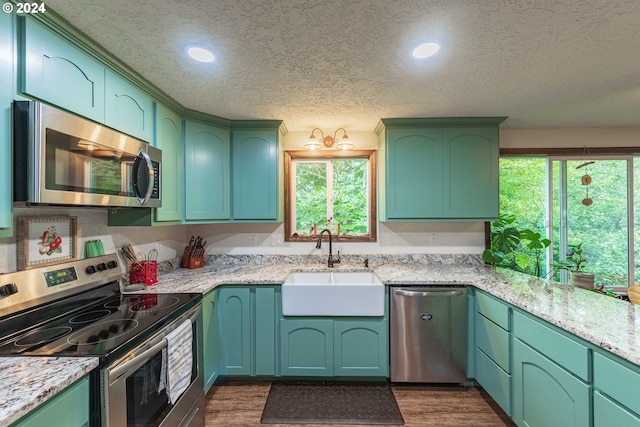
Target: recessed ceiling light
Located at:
point(200, 54)
point(425, 50)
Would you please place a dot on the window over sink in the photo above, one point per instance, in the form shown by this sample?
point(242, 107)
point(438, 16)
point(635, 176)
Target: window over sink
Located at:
point(330, 189)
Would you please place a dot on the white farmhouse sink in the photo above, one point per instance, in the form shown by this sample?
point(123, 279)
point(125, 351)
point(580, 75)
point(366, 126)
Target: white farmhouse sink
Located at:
point(330, 293)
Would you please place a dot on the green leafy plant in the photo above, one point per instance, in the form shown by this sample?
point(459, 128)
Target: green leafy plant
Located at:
point(574, 261)
point(513, 248)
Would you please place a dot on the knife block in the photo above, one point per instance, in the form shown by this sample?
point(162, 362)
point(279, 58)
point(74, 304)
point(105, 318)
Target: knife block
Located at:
point(195, 262)
point(191, 262)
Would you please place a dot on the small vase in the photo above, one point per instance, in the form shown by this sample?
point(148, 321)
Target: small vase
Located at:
point(581, 280)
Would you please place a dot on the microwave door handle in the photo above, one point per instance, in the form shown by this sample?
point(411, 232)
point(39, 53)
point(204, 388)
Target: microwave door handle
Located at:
point(148, 167)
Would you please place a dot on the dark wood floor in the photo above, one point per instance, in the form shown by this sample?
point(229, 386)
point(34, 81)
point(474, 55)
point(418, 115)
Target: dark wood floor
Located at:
point(240, 403)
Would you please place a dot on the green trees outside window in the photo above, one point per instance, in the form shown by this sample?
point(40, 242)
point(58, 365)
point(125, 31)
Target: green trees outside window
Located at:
point(606, 229)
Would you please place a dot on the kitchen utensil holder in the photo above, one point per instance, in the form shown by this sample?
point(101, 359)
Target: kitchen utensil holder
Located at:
point(195, 262)
point(144, 272)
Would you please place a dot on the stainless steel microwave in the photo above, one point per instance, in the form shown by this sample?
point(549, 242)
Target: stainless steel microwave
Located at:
point(64, 159)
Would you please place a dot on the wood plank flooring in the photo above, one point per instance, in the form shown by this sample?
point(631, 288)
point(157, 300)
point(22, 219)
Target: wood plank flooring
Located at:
point(240, 403)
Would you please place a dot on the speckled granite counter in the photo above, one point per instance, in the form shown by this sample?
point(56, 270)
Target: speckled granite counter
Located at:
point(27, 382)
point(606, 322)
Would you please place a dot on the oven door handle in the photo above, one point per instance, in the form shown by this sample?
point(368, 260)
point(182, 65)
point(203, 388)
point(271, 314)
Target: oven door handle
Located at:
point(136, 362)
point(142, 358)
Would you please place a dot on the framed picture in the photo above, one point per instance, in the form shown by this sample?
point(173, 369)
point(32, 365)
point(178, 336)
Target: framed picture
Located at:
point(45, 240)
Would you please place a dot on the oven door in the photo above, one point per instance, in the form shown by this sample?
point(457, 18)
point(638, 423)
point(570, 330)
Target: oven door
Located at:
point(131, 384)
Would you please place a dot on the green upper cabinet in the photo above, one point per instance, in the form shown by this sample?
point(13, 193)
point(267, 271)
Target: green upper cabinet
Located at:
point(414, 173)
point(254, 186)
point(470, 186)
point(56, 71)
point(207, 166)
point(6, 97)
point(128, 108)
point(168, 138)
point(440, 168)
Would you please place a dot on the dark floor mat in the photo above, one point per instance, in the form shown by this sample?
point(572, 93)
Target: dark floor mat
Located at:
point(322, 402)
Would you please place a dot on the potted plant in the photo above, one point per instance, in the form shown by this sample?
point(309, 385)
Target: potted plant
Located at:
point(574, 263)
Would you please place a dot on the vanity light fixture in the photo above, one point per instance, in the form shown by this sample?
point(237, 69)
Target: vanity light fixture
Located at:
point(200, 54)
point(344, 143)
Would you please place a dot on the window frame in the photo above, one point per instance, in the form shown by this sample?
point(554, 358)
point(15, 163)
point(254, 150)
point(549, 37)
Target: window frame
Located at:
point(370, 155)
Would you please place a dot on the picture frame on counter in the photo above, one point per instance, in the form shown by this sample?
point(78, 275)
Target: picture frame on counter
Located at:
point(45, 240)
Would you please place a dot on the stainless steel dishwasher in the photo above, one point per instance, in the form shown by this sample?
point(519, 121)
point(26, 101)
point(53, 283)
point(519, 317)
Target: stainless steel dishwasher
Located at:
point(429, 334)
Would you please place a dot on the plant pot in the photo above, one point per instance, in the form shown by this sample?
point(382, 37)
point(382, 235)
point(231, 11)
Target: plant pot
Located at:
point(581, 280)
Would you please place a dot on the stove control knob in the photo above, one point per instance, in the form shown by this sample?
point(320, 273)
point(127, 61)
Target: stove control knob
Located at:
point(90, 269)
point(8, 290)
point(112, 264)
point(102, 266)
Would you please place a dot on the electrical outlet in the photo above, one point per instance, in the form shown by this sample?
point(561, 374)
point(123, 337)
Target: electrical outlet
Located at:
point(276, 240)
point(433, 239)
point(253, 240)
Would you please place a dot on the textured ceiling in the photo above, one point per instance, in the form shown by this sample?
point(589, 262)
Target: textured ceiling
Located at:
point(346, 63)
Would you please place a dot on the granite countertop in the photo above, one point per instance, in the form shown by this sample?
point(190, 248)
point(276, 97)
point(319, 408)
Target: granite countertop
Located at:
point(27, 382)
point(607, 322)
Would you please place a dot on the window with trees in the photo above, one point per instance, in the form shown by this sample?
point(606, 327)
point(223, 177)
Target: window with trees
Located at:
point(552, 196)
point(330, 189)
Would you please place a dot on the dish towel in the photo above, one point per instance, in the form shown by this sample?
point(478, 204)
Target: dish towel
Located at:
point(177, 361)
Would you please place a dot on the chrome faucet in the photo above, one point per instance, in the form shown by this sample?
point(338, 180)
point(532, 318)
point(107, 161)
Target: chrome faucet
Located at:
point(330, 261)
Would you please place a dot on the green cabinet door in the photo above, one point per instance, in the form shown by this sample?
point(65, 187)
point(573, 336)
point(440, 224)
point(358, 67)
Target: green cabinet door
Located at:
point(128, 108)
point(545, 394)
point(58, 72)
point(234, 317)
point(607, 413)
point(7, 81)
point(168, 138)
point(440, 168)
point(361, 347)
point(207, 166)
point(69, 408)
point(306, 347)
point(616, 383)
point(264, 341)
point(255, 174)
point(470, 182)
point(210, 339)
point(413, 173)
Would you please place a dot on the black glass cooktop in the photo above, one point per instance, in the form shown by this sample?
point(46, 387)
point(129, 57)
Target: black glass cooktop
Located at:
point(93, 324)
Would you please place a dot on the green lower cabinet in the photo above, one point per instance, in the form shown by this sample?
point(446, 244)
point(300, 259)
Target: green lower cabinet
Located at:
point(265, 315)
point(328, 347)
point(616, 383)
point(494, 380)
point(545, 394)
point(247, 330)
point(360, 347)
point(607, 413)
point(210, 339)
point(306, 347)
point(69, 408)
point(234, 316)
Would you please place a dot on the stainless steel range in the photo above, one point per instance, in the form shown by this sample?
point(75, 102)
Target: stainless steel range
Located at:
point(77, 309)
